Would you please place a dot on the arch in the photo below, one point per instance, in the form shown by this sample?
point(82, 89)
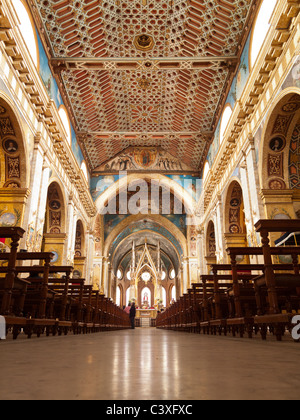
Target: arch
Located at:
point(281, 121)
point(260, 29)
point(210, 240)
point(84, 170)
point(80, 249)
point(55, 223)
point(160, 220)
point(146, 290)
point(65, 122)
point(122, 185)
point(14, 173)
point(234, 219)
point(206, 171)
point(27, 29)
point(119, 294)
point(173, 293)
point(226, 115)
point(234, 209)
point(279, 156)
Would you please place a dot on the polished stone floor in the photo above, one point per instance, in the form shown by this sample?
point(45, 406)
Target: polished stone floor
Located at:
point(148, 364)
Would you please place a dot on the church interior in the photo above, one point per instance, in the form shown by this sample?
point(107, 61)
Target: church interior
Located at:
point(149, 171)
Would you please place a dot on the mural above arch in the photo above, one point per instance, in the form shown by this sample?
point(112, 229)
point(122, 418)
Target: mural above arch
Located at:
point(146, 226)
point(141, 159)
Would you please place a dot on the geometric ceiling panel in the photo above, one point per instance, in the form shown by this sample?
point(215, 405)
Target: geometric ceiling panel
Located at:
point(144, 72)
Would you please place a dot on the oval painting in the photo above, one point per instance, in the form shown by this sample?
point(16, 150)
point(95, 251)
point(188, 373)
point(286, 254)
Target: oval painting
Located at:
point(8, 220)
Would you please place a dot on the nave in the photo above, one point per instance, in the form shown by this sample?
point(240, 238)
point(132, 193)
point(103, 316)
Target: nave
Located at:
point(148, 364)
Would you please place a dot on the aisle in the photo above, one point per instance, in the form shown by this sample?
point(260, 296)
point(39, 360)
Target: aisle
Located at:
point(148, 364)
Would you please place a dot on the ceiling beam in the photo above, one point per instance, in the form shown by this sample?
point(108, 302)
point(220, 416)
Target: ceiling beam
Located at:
point(140, 133)
point(136, 63)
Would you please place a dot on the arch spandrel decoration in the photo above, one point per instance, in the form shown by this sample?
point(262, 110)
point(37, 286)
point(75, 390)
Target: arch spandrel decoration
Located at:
point(279, 157)
point(13, 168)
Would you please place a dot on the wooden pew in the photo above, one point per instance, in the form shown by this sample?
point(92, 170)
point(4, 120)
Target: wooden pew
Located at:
point(15, 234)
point(286, 279)
point(28, 324)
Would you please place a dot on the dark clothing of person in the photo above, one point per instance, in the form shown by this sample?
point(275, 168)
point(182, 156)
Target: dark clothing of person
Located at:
point(132, 316)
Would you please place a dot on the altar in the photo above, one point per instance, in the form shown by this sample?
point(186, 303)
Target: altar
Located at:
point(146, 313)
point(145, 316)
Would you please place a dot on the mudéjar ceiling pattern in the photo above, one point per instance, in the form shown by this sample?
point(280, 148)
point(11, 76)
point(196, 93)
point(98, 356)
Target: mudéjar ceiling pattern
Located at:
point(144, 72)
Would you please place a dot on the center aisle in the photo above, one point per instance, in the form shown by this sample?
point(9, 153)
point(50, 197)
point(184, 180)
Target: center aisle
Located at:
point(148, 364)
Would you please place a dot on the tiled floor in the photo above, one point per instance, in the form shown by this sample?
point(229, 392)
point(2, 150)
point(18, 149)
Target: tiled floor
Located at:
point(148, 364)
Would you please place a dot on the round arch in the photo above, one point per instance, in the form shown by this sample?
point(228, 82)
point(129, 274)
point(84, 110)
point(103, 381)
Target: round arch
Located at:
point(279, 174)
point(210, 240)
point(260, 29)
point(234, 221)
point(27, 29)
point(226, 115)
point(279, 125)
point(13, 131)
point(122, 184)
point(56, 208)
point(62, 110)
point(160, 220)
point(14, 167)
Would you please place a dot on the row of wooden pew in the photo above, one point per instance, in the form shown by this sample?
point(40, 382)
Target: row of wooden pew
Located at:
point(244, 298)
point(43, 298)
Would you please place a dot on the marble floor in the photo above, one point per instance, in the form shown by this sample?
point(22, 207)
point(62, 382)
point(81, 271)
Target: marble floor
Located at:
point(148, 364)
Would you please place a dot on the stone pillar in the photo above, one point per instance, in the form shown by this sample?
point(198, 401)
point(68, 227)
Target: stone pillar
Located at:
point(40, 220)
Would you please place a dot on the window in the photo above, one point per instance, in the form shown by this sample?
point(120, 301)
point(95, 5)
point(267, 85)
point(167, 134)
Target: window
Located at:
point(164, 297)
point(65, 121)
point(27, 30)
point(119, 274)
point(127, 296)
point(224, 122)
point(84, 170)
point(172, 275)
point(173, 294)
point(118, 298)
point(261, 28)
point(206, 171)
point(146, 276)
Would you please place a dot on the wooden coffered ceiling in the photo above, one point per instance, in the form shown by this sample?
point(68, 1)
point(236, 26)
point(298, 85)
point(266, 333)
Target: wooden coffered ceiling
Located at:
point(144, 72)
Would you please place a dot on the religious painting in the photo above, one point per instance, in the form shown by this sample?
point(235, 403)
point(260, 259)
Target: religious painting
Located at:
point(145, 158)
point(55, 257)
point(137, 159)
point(10, 146)
point(8, 220)
point(277, 144)
point(54, 205)
point(76, 274)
